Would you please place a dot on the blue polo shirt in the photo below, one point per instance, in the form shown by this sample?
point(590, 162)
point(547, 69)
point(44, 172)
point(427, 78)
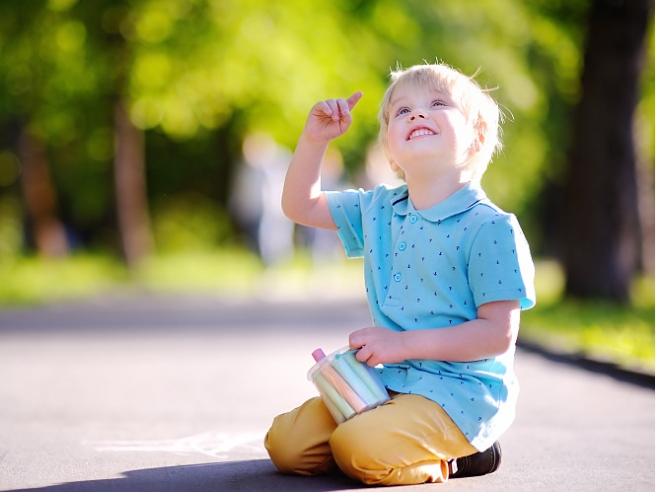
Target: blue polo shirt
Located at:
point(433, 268)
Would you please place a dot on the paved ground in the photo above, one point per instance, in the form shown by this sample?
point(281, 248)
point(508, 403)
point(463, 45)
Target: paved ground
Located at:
point(163, 394)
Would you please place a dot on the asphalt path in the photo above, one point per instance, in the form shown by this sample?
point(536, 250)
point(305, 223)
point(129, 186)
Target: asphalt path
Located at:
point(152, 393)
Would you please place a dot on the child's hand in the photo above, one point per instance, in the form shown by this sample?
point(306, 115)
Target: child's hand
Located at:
point(377, 345)
point(331, 118)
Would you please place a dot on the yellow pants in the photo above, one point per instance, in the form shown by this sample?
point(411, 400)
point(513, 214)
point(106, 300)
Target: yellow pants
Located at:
point(408, 440)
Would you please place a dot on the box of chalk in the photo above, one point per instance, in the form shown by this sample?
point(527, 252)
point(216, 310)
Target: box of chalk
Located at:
point(347, 386)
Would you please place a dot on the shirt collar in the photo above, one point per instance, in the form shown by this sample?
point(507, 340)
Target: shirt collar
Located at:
point(461, 201)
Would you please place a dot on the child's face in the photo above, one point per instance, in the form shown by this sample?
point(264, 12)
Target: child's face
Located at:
point(426, 125)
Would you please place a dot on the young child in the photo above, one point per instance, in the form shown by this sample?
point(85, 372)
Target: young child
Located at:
point(446, 274)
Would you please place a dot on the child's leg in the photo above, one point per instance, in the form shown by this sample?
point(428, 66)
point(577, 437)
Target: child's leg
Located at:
point(405, 441)
point(298, 441)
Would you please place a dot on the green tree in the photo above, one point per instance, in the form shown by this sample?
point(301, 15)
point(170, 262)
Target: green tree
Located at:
point(29, 66)
point(166, 90)
point(55, 85)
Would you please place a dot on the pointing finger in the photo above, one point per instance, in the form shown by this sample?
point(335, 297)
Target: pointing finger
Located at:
point(353, 100)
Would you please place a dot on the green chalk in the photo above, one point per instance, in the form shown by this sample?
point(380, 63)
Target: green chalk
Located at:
point(360, 386)
point(367, 374)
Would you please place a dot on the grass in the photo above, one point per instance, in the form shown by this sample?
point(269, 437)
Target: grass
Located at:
point(229, 272)
point(620, 334)
point(604, 331)
point(29, 280)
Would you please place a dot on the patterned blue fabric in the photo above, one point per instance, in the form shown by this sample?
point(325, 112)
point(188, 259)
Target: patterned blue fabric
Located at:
point(432, 269)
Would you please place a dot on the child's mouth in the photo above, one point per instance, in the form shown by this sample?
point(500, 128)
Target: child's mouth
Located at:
point(420, 132)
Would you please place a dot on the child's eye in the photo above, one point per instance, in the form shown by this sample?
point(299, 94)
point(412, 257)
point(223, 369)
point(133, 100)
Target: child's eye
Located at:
point(401, 111)
point(438, 103)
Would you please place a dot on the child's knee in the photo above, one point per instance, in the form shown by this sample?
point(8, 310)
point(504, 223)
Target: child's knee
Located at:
point(283, 450)
point(297, 442)
point(376, 461)
point(355, 455)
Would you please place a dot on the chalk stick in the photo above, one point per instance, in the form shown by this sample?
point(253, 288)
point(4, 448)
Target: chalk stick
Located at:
point(337, 405)
point(368, 374)
point(343, 388)
point(355, 381)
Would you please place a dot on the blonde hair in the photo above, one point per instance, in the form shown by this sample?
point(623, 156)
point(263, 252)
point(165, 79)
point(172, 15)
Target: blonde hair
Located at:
point(478, 107)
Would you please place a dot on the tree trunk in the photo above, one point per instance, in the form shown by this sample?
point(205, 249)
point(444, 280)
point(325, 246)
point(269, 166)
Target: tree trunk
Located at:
point(131, 199)
point(40, 197)
point(601, 222)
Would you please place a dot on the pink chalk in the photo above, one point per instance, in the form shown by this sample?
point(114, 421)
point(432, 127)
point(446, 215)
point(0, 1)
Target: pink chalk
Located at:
point(318, 355)
point(339, 383)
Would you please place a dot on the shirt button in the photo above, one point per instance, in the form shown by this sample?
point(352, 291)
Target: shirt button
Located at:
point(397, 277)
point(413, 219)
point(402, 247)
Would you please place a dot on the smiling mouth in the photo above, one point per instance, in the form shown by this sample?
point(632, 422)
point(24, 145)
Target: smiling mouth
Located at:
point(421, 132)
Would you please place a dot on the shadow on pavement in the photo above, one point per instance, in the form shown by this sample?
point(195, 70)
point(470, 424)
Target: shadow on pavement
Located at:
point(251, 475)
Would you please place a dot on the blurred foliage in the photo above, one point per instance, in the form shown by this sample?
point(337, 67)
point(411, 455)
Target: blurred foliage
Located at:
point(10, 229)
point(200, 74)
point(190, 223)
point(644, 128)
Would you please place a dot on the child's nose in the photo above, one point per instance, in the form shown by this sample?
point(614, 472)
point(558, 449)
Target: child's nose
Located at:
point(418, 114)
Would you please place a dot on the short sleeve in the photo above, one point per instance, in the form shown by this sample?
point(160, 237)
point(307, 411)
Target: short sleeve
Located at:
point(500, 264)
point(346, 208)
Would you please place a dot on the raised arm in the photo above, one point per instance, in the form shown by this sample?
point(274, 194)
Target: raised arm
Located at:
point(303, 200)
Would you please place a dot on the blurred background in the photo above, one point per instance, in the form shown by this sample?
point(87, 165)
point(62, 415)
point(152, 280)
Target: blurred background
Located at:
point(143, 144)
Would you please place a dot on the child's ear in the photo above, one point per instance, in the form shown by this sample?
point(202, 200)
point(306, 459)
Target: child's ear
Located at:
point(478, 142)
point(480, 128)
point(395, 167)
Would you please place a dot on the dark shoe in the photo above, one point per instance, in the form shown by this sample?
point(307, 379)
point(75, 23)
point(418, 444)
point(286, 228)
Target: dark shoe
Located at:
point(476, 464)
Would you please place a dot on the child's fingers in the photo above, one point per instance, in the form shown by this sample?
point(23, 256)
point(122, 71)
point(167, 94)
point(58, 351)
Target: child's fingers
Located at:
point(343, 106)
point(323, 107)
point(335, 110)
